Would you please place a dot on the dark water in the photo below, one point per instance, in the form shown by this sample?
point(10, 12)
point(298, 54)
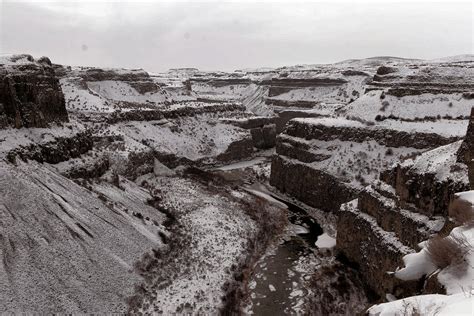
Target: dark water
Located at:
point(276, 284)
point(298, 216)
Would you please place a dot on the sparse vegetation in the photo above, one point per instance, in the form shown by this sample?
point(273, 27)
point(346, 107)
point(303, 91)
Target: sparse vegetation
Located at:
point(462, 212)
point(385, 105)
point(448, 251)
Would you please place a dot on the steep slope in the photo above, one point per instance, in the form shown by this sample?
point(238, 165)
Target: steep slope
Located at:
point(65, 249)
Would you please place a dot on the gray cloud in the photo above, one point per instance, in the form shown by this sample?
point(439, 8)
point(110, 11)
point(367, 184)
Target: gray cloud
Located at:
point(231, 35)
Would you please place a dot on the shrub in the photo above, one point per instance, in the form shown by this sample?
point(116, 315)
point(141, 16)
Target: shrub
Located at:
point(389, 152)
point(461, 211)
point(385, 105)
point(379, 118)
point(447, 251)
point(410, 310)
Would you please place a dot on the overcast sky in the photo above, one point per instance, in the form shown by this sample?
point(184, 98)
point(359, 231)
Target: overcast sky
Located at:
point(233, 35)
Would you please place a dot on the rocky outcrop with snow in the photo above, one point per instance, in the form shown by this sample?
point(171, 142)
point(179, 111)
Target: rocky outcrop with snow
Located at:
point(343, 155)
point(30, 94)
point(396, 215)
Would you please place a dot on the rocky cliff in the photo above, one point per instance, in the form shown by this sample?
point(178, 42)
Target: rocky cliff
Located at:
point(394, 215)
point(30, 94)
point(325, 162)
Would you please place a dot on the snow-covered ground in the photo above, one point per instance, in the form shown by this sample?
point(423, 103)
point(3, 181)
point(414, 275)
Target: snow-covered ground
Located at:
point(12, 138)
point(354, 163)
point(457, 279)
point(440, 161)
point(80, 99)
point(371, 104)
point(122, 91)
point(191, 137)
point(214, 230)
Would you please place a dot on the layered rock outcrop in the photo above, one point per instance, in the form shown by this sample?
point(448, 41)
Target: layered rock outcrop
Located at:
point(30, 94)
point(282, 85)
point(391, 217)
point(466, 152)
point(313, 186)
point(58, 150)
point(181, 111)
point(416, 80)
point(325, 162)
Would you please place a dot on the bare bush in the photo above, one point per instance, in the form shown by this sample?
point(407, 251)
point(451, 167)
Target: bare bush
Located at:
point(448, 251)
point(461, 211)
point(389, 152)
point(385, 105)
point(410, 309)
point(414, 309)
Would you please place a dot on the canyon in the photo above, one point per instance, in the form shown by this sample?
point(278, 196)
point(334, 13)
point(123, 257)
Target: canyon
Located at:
point(319, 187)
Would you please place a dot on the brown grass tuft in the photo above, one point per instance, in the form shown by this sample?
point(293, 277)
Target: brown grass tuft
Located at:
point(448, 251)
point(461, 211)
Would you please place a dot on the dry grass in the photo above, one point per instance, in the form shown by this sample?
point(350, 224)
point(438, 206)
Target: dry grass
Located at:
point(448, 251)
point(462, 212)
point(410, 309)
point(413, 309)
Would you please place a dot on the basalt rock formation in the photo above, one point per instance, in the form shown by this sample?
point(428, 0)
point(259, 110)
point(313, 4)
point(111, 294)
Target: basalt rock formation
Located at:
point(391, 217)
point(30, 94)
point(311, 154)
point(60, 149)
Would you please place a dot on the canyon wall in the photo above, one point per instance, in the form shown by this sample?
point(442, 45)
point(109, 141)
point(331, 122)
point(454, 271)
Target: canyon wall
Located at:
point(30, 94)
point(326, 162)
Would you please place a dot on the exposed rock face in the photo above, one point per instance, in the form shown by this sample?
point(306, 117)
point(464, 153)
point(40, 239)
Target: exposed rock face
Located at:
point(376, 251)
point(281, 85)
point(240, 149)
point(264, 137)
point(251, 122)
point(286, 115)
point(262, 129)
point(311, 154)
point(61, 149)
point(291, 104)
point(388, 137)
point(88, 171)
point(430, 195)
point(435, 79)
point(466, 152)
point(99, 74)
point(382, 203)
point(312, 186)
point(390, 219)
point(153, 115)
point(30, 95)
point(221, 82)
